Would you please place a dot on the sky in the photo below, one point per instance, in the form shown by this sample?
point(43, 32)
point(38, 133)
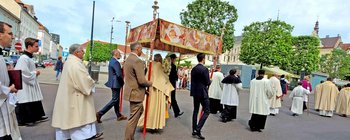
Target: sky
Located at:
point(71, 19)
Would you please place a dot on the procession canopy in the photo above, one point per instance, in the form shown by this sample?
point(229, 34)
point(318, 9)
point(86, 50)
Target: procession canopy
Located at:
point(173, 37)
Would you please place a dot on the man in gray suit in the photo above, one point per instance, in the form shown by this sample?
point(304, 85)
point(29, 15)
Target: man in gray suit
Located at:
point(135, 88)
point(115, 82)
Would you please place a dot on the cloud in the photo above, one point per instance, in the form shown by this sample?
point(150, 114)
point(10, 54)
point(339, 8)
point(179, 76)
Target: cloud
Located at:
point(72, 18)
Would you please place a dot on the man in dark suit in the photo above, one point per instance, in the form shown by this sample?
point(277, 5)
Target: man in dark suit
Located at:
point(115, 82)
point(199, 91)
point(173, 77)
point(135, 88)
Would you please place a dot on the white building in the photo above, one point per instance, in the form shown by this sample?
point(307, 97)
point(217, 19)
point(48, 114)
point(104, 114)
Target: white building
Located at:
point(29, 26)
point(10, 13)
point(232, 56)
point(53, 50)
point(45, 39)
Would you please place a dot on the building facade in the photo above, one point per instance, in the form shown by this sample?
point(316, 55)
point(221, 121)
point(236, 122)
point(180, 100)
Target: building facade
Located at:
point(10, 13)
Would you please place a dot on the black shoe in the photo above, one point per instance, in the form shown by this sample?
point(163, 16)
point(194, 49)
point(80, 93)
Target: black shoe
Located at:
point(43, 119)
point(294, 114)
point(30, 124)
point(198, 134)
point(272, 114)
point(178, 115)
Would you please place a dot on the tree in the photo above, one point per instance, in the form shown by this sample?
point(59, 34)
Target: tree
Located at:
point(101, 52)
point(336, 64)
point(306, 54)
point(267, 43)
point(211, 16)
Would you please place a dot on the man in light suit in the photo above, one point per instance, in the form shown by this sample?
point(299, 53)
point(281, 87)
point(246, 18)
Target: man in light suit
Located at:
point(199, 91)
point(135, 88)
point(115, 82)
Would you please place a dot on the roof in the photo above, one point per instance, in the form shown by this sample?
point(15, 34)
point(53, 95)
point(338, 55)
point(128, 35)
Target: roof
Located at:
point(345, 46)
point(330, 42)
point(120, 47)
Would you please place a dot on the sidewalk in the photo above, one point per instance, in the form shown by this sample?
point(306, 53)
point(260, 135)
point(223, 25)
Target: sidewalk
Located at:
point(48, 76)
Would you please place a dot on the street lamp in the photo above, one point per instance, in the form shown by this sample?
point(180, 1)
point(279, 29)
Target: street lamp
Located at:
point(110, 42)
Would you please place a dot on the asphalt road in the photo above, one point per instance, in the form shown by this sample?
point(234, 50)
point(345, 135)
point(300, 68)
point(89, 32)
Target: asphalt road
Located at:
point(281, 127)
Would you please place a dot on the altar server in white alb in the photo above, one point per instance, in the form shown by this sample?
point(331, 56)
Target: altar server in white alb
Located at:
point(74, 111)
point(29, 109)
point(275, 101)
point(230, 99)
point(259, 101)
point(215, 91)
point(297, 95)
point(8, 124)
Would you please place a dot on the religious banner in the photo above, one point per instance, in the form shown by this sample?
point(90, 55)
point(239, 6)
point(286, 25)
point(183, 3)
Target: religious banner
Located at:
point(172, 37)
point(143, 33)
point(187, 38)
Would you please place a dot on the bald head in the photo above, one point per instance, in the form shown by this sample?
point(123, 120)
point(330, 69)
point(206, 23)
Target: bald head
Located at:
point(116, 54)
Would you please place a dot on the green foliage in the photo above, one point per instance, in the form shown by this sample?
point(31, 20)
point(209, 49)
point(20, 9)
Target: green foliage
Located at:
point(267, 43)
point(100, 52)
point(336, 64)
point(210, 16)
point(306, 54)
point(186, 64)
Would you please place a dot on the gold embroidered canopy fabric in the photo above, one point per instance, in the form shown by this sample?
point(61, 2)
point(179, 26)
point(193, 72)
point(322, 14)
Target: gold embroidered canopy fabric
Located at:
point(175, 38)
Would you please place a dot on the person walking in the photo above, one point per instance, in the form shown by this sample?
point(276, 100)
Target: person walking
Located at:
point(259, 101)
point(58, 67)
point(8, 123)
point(135, 88)
point(115, 82)
point(200, 82)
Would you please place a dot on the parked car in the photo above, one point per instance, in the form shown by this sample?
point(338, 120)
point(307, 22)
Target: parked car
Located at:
point(8, 60)
point(14, 59)
point(39, 64)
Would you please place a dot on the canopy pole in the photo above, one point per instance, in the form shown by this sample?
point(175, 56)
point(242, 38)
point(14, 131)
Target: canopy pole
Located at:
point(155, 8)
point(216, 51)
point(125, 49)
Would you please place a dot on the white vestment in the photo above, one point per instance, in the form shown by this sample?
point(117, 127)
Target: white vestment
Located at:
point(215, 88)
point(8, 121)
point(230, 94)
point(260, 95)
point(31, 91)
point(277, 92)
point(298, 97)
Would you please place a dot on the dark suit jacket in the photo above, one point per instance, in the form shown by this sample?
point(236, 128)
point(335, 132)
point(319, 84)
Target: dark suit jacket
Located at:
point(200, 81)
point(115, 78)
point(173, 73)
point(135, 80)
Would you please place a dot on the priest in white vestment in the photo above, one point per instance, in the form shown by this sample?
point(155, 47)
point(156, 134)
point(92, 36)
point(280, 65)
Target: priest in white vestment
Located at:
point(329, 93)
point(215, 91)
point(29, 109)
point(74, 111)
point(8, 122)
point(275, 101)
point(297, 95)
point(343, 106)
point(259, 101)
point(158, 98)
point(230, 99)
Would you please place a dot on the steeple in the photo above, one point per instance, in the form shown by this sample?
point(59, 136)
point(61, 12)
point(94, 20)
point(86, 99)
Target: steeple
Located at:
point(316, 28)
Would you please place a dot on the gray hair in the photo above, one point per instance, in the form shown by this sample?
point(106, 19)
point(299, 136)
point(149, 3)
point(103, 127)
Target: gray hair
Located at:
point(73, 48)
point(114, 51)
point(133, 46)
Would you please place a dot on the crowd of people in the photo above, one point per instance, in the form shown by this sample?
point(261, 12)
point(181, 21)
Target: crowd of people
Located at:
point(74, 115)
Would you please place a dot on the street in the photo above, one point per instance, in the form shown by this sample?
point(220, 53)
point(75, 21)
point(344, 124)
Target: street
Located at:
point(280, 127)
